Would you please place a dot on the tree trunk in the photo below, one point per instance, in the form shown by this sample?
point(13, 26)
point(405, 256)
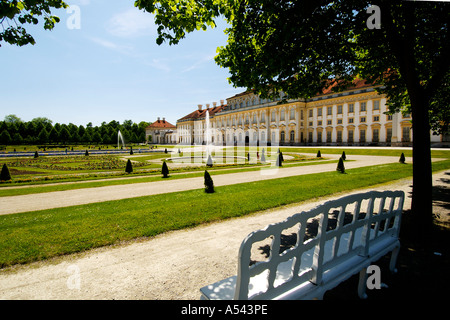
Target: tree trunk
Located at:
point(422, 209)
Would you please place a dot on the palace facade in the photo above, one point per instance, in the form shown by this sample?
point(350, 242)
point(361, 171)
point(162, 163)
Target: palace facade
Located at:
point(353, 117)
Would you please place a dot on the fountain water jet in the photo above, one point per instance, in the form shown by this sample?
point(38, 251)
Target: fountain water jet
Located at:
point(120, 137)
point(208, 135)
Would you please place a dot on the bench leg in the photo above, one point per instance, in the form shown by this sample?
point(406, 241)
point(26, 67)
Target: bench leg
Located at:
point(362, 284)
point(393, 261)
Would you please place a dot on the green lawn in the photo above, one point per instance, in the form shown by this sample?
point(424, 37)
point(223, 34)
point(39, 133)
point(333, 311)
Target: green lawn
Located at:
point(33, 236)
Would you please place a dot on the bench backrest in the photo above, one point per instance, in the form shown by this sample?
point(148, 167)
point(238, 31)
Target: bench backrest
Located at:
point(323, 238)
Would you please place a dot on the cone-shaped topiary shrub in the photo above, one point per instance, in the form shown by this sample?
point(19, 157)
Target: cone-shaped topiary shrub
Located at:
point(129, 167)
point(36, 155)
point(209, 161)
point(209, 184)
point(402, 158)
point(131, 151)
point(343, 156)
point(279, 162)
point(340, 167)
point(86, 153)
point(165, 170)
point(319, 155)
point(5, 175)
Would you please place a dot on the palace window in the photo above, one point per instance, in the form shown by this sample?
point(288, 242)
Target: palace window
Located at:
point(375, 135)
point(329, 122)
point(282, 115)
point(363, 119)
point(350, 136)
point(339, 109)
point(329, 111)
point(339, 136)
point(376, 105)
point(388, 134)
point(406, 134)
point(292, 114)
point(362, 135)
point(351, 107)
point(319, 112)
point(362, 106)
point(273, 115)
point(350, 120)
point(310, 113)
point(376, 118)
point(292, 134)
point(282, 136)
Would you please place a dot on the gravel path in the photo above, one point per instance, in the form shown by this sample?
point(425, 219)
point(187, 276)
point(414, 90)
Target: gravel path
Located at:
point(174, 265)
point(41, 201)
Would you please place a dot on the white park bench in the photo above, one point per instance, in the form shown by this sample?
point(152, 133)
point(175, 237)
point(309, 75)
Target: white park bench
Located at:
point(330, 243)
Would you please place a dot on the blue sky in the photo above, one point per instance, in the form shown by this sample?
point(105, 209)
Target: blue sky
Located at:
point(110, 69)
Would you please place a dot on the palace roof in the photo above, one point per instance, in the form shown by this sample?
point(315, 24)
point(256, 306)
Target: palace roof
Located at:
point(201, 113)
point(161, 124)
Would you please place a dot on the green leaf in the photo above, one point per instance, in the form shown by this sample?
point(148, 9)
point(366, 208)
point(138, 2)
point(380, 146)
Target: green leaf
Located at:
point(20, 5)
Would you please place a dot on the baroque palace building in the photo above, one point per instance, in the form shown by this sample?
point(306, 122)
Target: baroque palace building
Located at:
point(352, 117)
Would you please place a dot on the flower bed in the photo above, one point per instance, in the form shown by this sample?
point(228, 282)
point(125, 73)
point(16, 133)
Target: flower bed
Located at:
point(73, 163)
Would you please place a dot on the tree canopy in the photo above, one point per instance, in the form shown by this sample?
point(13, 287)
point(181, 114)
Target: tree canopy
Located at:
point(40, 130)
point(15, 15)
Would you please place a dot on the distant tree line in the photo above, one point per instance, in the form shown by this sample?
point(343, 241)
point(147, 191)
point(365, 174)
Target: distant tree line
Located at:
point(14, 131)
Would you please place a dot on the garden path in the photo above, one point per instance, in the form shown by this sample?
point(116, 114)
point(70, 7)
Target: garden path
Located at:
point(57, 199)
